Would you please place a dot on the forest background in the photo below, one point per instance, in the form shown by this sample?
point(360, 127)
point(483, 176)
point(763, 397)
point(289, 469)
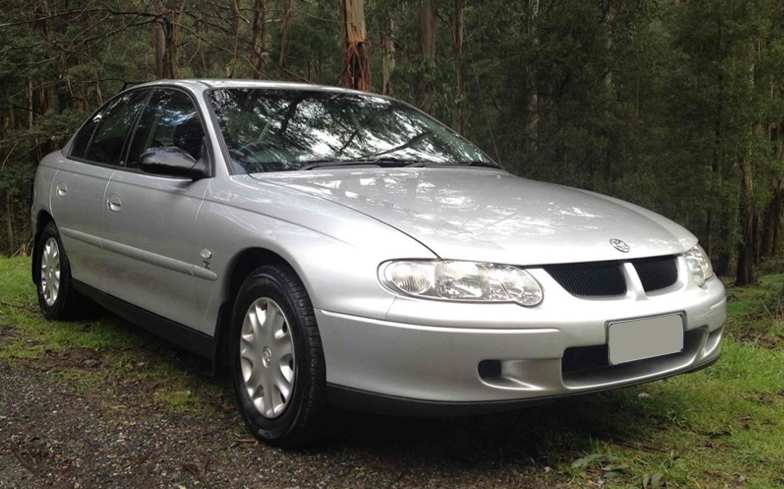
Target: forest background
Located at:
point(676, 105)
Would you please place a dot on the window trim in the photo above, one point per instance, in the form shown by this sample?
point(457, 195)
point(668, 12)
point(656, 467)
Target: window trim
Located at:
point(99, 113)
point(126, 143)
point(210, 159)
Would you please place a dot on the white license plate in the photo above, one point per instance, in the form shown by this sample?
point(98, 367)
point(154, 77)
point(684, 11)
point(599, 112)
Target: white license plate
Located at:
point(637, 339)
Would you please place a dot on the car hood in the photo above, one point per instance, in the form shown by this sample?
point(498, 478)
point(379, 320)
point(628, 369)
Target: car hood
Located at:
point(493, 216)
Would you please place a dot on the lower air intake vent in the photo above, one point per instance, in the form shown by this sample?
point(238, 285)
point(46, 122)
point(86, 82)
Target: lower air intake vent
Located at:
point(601, 279)
point(656, 273)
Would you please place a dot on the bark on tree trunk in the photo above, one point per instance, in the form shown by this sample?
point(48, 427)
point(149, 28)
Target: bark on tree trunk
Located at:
point(609, 17)
point(259, 31)
point(427, 31)
point(284, 34)
point(388, 61)
point(427, 47)
point(778, 199)
point(745, 268)
point(775, 222)
point(715, 177)
point(356, 61)
point(165, 40)
point(532, 108)
point(9, 223)
point(457, 34)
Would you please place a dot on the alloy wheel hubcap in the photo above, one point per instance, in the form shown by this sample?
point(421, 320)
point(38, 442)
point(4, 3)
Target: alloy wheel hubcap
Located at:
point(50, 271)
point(267, 357)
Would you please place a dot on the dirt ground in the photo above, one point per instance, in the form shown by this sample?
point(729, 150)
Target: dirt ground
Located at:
point(59, 431)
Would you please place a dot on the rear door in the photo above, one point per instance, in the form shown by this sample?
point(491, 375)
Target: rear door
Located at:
point(150, 220)
point(79, 186)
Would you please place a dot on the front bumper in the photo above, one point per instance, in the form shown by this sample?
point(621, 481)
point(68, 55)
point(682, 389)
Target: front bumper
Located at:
point(430, 352)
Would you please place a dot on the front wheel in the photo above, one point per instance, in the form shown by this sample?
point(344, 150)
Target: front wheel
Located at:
point(277, 363)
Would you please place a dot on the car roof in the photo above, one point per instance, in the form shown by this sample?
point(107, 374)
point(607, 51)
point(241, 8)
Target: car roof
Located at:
point(200, 84)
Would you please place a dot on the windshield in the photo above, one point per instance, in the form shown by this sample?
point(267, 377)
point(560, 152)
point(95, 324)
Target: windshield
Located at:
point(283, 130)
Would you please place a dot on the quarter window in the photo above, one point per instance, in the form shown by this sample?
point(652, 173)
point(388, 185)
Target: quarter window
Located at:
point(170, 120)
point(113, 126)
point(83, 138)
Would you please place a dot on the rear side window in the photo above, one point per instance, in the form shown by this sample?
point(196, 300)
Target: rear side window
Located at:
point(113, 125)
point(82, 139)
point(170, 120)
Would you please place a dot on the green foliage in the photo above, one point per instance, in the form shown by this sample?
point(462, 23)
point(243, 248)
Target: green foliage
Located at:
point(678, 106)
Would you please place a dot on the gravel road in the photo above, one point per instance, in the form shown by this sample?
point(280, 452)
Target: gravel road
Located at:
point(58, 430)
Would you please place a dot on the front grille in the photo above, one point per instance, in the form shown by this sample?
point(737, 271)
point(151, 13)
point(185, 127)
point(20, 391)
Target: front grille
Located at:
point(601, 279)
point(606, 279)
point(656, 273)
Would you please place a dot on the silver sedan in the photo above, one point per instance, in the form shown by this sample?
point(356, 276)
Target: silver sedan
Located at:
point(332, 246)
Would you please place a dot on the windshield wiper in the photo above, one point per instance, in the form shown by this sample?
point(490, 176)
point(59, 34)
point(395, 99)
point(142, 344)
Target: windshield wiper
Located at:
point(483, 164)
point(380, 162)
point(391, 162)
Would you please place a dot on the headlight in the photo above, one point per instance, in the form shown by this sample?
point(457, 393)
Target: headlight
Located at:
point(462, 281)
point(699, 264)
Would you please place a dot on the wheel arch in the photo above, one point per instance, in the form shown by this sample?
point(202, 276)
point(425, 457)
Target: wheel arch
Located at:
point(42, 219)
point(240, 267)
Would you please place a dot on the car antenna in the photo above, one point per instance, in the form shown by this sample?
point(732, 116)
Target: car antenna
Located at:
point(127, 84)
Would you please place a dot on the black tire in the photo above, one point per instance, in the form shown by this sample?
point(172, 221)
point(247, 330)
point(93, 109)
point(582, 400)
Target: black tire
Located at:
point(297, 424)
point(65, 304)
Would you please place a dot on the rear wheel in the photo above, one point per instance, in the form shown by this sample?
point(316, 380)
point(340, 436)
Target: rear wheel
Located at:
point(277, 363)
point(56, 296)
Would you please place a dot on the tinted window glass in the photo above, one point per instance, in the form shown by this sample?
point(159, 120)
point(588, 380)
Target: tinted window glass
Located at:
point(171, 119)
point(83, 138)
point(115, 122)
point(278, 130)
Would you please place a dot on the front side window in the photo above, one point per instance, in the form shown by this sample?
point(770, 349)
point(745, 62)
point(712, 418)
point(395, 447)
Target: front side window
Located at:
point(114, 123)
point(170, 120)
point(279, 130)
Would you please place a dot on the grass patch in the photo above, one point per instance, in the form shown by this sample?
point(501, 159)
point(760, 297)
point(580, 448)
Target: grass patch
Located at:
point(99, 350)
point(721, 427)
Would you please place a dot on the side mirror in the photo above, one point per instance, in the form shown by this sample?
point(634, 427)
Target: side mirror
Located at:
point(172, 162)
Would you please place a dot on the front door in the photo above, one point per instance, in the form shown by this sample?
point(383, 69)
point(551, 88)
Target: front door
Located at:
point(149, 220)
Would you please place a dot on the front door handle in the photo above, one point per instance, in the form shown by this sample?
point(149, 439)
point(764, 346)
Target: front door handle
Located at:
point(62, 189)
point(113, 203)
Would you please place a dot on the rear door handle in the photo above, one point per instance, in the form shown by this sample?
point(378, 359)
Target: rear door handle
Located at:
point(62, 189)
point(113, 203)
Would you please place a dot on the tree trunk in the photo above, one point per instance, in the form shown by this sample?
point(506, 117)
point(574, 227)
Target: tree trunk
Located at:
point(98, 91)
point(715, 174)
point(457, 35)
point(778, 197)
point(9, 223)
point(427, 47)
point(259, 31)
point(532, 107)
point(284, 34)
point(427, 31)
point(164, 40)
point(774, 247)
point(388, 61)
point(356, 61)
point(745, 268)
point(609, 17)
